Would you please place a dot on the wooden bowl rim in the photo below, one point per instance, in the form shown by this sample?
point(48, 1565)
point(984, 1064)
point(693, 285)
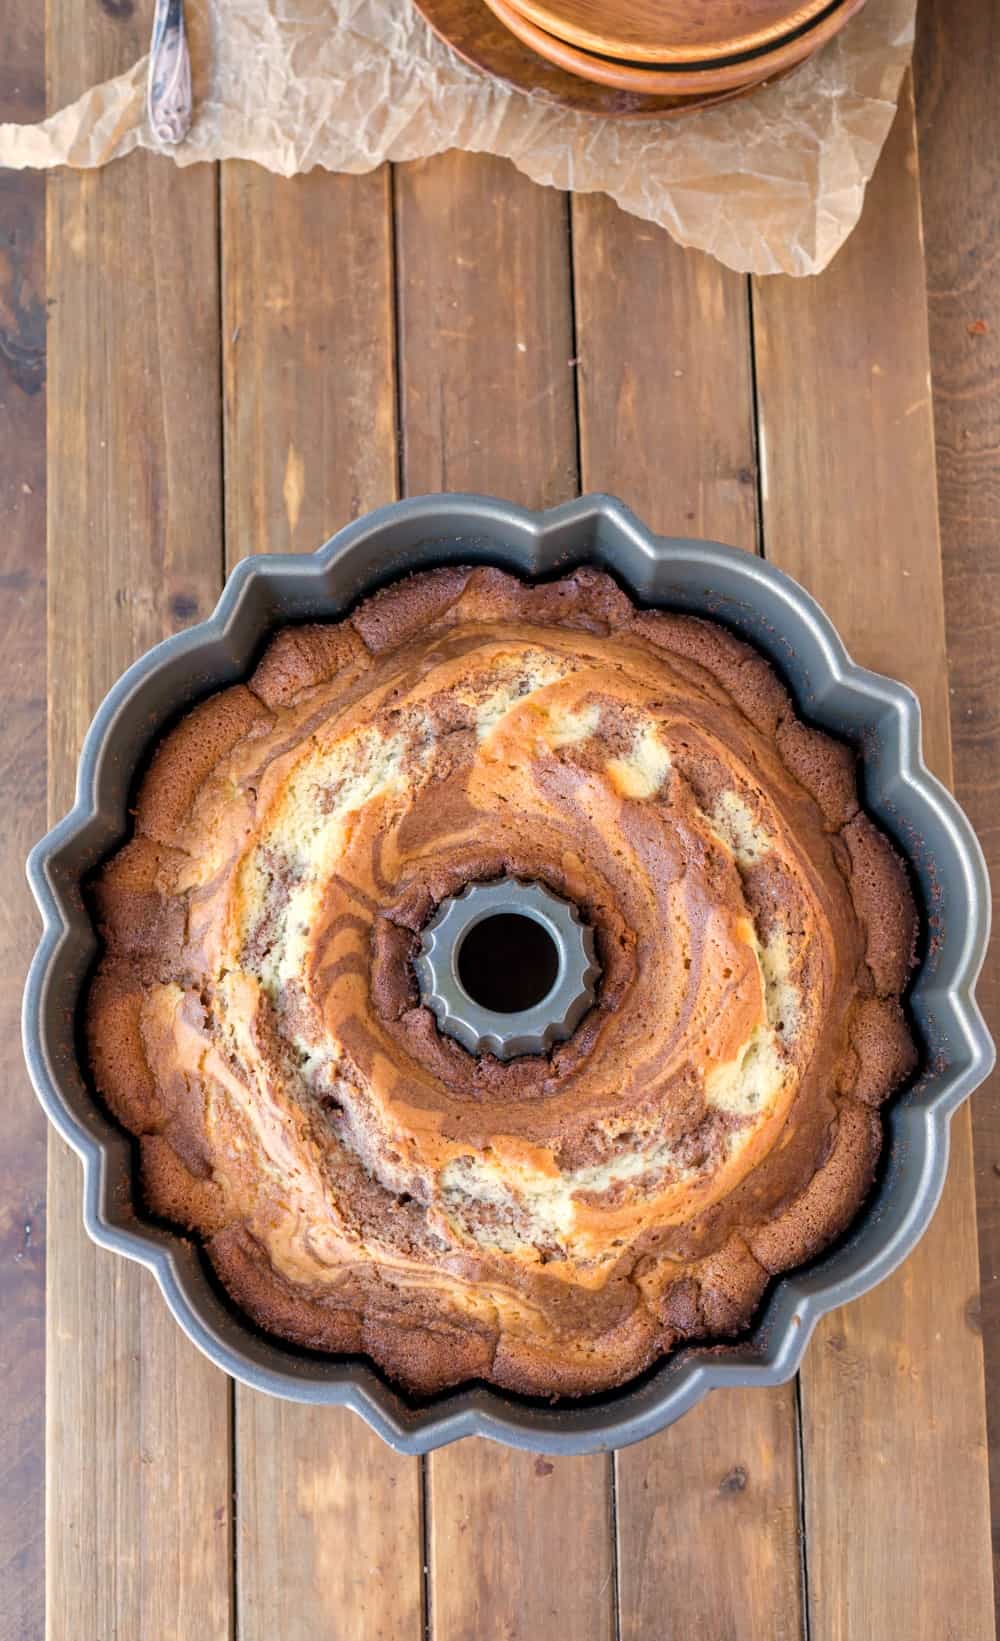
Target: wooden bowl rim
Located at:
point(658, 52)
point(481, 40)
point(636, 77)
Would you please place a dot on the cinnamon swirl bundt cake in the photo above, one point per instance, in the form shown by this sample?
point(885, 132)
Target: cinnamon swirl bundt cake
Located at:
point(361, 1182)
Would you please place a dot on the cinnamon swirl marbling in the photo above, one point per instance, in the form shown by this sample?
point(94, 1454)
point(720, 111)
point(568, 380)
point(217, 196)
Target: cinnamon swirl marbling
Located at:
point(361, 1183)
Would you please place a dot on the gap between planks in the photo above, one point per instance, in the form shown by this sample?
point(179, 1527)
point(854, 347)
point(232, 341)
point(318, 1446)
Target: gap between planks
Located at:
point(707, 1510)
point(137, 1420)
point(892, 1385)
point(959, 160)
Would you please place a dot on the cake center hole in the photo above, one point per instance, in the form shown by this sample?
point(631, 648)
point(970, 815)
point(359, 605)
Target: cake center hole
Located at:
point(508, 963)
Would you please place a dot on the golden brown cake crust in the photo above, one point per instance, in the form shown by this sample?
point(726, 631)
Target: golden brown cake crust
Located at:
point(364, 1185)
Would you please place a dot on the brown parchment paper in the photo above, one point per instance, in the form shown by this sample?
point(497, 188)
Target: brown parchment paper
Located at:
point(773, 183)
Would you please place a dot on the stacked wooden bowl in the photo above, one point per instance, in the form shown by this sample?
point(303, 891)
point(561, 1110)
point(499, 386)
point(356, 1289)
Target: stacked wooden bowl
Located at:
point(652, 55)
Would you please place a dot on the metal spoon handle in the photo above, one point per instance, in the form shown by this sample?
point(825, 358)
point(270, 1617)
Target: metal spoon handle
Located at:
point(169, 92)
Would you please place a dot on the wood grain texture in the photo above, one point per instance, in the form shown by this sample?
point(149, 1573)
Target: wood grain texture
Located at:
point(521, 1545)
point(22, 775)
point(666, 399)
point(486, 339)
point(139, 1488)
point(138, 1421)
point(308, 354)
point(517, 1549)
point(708, 1524)
point(328, 1518)
point(708, 1512)
point(959, 132)
point(328, 1527)
point(894, 1426)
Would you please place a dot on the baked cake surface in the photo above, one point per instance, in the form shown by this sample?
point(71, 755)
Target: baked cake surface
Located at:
point(361, 1183)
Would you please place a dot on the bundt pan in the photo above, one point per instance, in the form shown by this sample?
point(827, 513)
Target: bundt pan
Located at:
point(881, 717)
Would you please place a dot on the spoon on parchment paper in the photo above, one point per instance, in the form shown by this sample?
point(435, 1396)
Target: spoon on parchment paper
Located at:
point(168, 94)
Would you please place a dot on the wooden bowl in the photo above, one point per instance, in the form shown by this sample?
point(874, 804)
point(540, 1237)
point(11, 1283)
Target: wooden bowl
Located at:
point(638, 77)
point(471, 30)
point(672, 31)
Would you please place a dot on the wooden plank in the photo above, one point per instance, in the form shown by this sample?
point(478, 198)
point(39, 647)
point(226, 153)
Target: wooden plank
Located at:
point(486, 344)
point(959, 131)
point(329, 1528)
point(486, 335)
point(22, 771)
point(138, 1503)
point(708, 1510)
point(894, 1428)
point(666, 400)
point(308, 330)
point(328, 1535)
point(708, 1524)
point(522, 1546)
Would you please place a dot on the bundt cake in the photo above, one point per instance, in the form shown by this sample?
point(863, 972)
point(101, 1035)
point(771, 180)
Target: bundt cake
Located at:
point(363, 1184)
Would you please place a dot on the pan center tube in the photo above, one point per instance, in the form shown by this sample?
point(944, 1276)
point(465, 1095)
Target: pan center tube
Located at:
point(507, 968)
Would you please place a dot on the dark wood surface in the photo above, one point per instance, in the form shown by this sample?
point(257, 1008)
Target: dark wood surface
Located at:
point(139, 1522)
point(22, 777)
point(958, 46)
point(892, 1386)
point(238, 362)
point(707, 1512)
point(310, 435)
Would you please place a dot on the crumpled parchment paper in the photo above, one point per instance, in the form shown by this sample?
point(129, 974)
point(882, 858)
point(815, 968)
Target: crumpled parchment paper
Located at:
point(772, 183)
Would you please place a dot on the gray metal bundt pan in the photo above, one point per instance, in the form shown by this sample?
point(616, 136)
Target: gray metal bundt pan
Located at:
point(880, 716)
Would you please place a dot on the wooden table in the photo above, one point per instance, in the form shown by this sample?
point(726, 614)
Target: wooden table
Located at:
point(238, 363)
